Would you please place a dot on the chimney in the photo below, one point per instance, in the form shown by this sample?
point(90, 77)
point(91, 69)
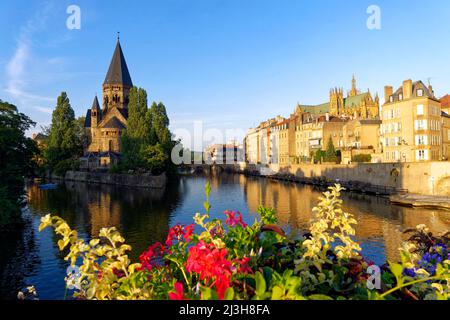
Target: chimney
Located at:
point(430, 88)
point(388, 91)
point(407, 89)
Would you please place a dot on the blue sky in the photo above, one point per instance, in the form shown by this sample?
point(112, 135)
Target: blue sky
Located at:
point(230, 63)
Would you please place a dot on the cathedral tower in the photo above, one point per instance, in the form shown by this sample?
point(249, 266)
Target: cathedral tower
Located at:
point(354, 91)
point(117, 85)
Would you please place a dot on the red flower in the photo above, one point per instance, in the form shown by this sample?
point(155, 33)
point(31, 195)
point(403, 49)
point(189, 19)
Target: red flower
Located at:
point(243, 266)
point(118, 273)
point(153, 253)
point(234, 219)
point(189, 230)
point(211, 265)
point(178, 232)
point(179, 292)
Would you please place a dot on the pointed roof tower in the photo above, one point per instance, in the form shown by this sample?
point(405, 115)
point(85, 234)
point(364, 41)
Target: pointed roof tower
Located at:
point(118, 71)
point(96, 105)
point(354, 91)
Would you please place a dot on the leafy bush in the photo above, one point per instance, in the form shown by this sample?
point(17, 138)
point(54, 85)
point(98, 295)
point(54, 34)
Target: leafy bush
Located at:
point(231, 260)
point(362, 158)
point(66, 165)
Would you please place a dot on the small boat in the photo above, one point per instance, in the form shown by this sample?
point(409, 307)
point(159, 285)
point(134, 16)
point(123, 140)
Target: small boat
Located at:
point(50, 186)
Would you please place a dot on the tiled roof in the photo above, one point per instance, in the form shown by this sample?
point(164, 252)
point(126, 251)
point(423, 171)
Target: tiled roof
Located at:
point(113, 123)
point(355, 101)
point(118, 70)
point(87, 121)
point(445, 101)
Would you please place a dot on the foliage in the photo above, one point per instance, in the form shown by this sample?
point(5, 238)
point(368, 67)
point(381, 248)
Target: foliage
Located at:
point(16, 160)
point(66, 134)
point(362, 158)
point(66, 165)
point(228, 259)
point(330, 153)
point(319, 156)
point(147, 141)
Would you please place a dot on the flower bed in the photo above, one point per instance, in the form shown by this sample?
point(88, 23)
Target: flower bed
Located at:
point(233, 261)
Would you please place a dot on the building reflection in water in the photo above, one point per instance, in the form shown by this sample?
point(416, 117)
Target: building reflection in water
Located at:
point(379, 223)
point(143, 216)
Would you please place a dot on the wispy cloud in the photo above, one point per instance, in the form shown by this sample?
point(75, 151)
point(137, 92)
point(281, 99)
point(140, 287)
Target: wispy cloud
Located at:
point(44, 110)
point(19, 66)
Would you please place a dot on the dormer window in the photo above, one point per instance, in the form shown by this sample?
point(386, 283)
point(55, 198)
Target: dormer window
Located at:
point(391, 99)
point(400, 97)
point(420, 92)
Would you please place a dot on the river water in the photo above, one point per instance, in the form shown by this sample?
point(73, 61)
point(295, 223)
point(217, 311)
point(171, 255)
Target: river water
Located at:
point(28, 257)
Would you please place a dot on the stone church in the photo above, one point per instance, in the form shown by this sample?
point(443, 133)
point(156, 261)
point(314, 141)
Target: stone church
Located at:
point(356, 105)
point(104, 124)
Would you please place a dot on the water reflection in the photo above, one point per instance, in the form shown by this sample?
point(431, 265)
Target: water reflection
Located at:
point(380, 225)
point(18, 259)
point(144, 217)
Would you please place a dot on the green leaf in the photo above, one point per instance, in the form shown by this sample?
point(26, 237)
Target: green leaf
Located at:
point(319, 297)
point(277, 293)
point(208, 189)
point(208, 294)
point(229, 294)
point(397, 271)
point(260, 284)
point(207, 206)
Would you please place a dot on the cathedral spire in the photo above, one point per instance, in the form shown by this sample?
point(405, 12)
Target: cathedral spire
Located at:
point(118, 73)
point(354, 91)
point(95, 104)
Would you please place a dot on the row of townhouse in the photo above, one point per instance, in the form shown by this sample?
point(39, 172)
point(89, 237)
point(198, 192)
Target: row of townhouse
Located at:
point(412, 125)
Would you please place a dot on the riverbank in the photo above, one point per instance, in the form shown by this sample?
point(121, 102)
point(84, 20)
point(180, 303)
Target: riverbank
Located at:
point(145, 180)
point(421, 201)
point(423, 178)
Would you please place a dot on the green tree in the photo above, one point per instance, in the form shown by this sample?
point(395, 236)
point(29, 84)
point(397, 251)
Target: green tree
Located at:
point(136, 135)
point(64, 134)
point(16, 160)
point(330, 153)
point(147, 141)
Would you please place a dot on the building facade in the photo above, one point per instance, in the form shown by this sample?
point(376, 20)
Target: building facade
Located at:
point(104, 124)
point(411, 124)
point(356, 105)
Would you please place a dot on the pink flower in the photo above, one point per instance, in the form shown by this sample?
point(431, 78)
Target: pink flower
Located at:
point(179, 232)
point(179, 292)
point(189, 230)
point(243, 265)
point(234, 219)
point(211, 265)
point(153, 253)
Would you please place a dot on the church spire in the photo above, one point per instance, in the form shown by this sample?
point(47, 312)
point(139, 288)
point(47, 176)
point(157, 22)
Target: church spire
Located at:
point(118, 73)
point(354, 91)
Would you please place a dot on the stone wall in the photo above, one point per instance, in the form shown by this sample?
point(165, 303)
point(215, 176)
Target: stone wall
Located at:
point(426, 178)
point(137, 180)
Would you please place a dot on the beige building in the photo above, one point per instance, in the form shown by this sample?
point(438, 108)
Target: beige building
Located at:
point(357, 104)
point(104, 125)
point(361, 137)
point(411, 127)
point(445, 136)
point(314, 132)
point(279, 143)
